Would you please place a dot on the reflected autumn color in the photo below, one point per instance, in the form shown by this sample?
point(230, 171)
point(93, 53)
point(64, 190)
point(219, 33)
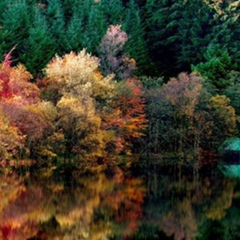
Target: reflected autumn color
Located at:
point(173, 203)
point(184, 206)
point(69, 205)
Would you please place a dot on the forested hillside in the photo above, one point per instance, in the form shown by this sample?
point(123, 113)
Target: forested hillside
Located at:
point(95, 78)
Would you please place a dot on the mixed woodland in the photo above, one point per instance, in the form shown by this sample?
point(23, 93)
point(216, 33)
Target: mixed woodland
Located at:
point(92, 80)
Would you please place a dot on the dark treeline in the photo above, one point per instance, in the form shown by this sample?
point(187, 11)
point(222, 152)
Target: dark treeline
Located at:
point(165, 37)
point(42, 29)
point(183, 56)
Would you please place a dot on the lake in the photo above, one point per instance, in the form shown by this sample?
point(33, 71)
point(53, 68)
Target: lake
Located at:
point(138, 202)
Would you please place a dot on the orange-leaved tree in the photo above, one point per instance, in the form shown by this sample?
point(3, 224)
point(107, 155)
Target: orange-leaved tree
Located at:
point(128, 119)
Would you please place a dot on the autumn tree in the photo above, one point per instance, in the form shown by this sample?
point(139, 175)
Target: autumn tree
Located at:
point(23, 112)
point(128, 118)
point(224, 117)
point(171, 113)
point(184, 116)
point(114, 59)
point(12, 142)
point(78, 90)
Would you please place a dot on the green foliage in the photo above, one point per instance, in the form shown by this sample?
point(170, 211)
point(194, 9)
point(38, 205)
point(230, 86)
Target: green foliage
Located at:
point(96, 28)
point(136, 45)
point(14, 30)
point(217, 69)
point(163, 38)
point(56, 22)
point(195, 35)
point(74, 32)
point(58, 27)
point(152, 82)
point(233, 90)
point(174, 40)
point(114, 11)
point(226, 31)
point(162, 23)
point(41, 44)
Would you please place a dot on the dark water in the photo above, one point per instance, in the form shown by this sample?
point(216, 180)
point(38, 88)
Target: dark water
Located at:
point(162, 202)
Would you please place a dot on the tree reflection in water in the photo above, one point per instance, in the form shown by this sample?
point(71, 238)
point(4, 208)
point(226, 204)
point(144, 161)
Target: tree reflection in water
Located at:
point(90, 206)
point(184, 206)
point(174, 204)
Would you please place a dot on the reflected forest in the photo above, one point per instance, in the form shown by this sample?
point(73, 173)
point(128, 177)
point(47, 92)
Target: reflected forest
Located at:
point(119, 120)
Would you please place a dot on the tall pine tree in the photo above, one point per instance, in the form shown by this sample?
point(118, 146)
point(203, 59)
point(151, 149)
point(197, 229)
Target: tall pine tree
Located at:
point(74, 32)
point(56, 20)
point(95, 29)
point(195, 33)
point(162, 19)
point(41, 43)
point(15, 22)
point(178, 33)
point(136, 45)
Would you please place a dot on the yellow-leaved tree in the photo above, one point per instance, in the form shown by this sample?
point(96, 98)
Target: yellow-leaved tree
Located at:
point(80, 94)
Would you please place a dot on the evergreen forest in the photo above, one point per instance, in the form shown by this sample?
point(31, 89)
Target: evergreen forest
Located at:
point(93, 80)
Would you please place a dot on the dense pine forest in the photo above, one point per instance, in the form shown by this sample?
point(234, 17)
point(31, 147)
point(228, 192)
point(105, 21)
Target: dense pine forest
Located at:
point(85, 79)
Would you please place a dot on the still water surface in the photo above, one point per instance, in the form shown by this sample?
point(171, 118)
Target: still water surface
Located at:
point(163, 202)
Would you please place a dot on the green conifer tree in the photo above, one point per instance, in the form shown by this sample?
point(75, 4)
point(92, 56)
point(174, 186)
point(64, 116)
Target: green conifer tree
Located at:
point(3, 6)
point(41, 44)
point(136, 45)
point(113, 10)
point(15, 22)
point(227, 35)
point(74, 33)
point(56, 20)
point(96, 28)
point(178, 33)
point(162, 22)
point(195, 33)
point(217, 69)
